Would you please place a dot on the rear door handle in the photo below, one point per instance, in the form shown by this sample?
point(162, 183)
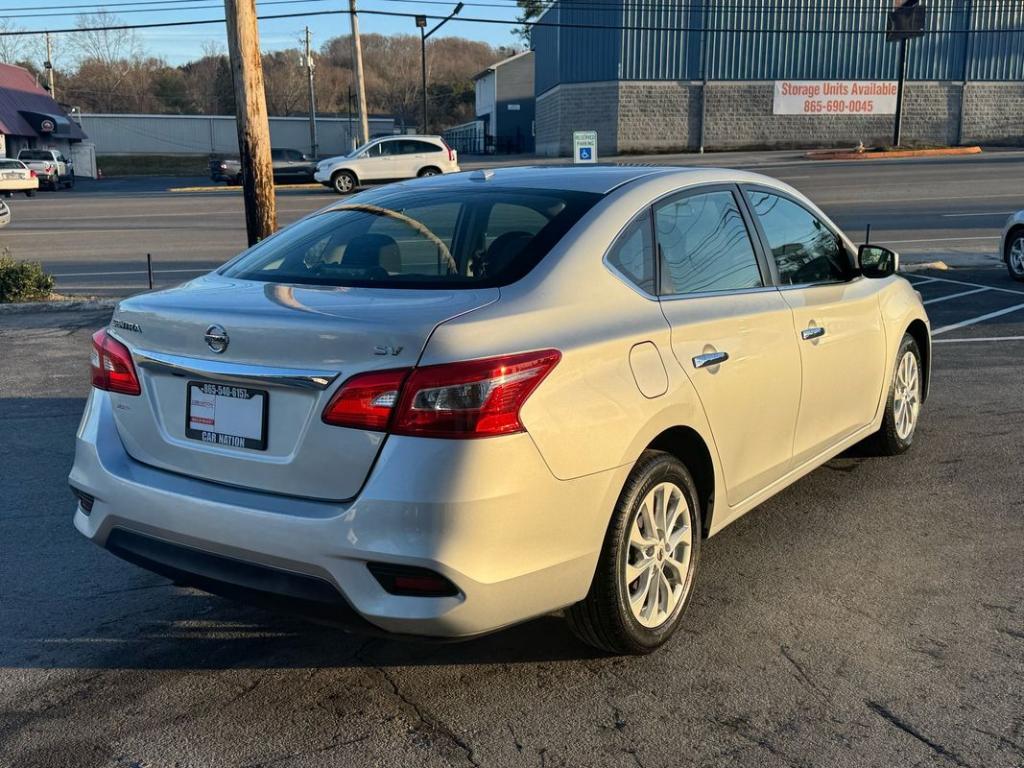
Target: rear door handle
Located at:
point(814, 332)
point(710, 358)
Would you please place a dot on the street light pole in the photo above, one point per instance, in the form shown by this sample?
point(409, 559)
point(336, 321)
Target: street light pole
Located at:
point(421, 22)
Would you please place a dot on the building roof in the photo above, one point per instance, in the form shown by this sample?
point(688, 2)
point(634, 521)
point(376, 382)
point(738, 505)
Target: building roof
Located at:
point(501, 63)
point(27, 110)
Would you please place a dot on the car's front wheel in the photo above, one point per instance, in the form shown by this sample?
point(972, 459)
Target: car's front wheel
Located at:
point(1015, 254)
point(903, 406)
point(343, 182)
point(645, 573)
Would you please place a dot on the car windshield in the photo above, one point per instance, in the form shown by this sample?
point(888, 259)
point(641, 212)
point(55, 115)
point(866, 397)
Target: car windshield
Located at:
point(465, 238)
point(34, 154)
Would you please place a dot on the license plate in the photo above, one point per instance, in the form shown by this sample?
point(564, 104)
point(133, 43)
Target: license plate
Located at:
point(12, 175)
point(222, 414)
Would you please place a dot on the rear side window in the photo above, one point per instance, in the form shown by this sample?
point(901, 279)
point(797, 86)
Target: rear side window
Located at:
point(704, 245)
point(633, 255)
point(385, 238)
point(804, 249)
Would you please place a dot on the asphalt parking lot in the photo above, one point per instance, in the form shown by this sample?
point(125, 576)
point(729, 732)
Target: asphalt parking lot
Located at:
point(870, 615)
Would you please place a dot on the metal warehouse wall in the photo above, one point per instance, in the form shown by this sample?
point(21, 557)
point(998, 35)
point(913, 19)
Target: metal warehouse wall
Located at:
point(758, 40)
point(202, 134)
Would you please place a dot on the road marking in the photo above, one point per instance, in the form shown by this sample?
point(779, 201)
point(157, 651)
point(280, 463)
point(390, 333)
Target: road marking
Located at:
point(962, 215)
point(955, 295)
point(944, 239)
point(980, 338)
point(920, 280)
point(978, 319)
point(972, 285)
point(132, 272)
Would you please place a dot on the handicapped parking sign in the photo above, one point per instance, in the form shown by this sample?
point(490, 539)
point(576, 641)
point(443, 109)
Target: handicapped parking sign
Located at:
point(584, 145)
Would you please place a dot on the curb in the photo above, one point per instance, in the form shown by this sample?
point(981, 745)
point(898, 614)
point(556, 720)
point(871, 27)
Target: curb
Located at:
point(828, 154)
point(79, 305)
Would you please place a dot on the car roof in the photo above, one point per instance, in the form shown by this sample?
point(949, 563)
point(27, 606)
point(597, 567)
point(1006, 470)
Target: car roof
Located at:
point(600, 179)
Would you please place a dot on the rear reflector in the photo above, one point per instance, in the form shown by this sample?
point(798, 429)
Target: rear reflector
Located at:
point(112, 366)
point(85, 501)
point(411, 581)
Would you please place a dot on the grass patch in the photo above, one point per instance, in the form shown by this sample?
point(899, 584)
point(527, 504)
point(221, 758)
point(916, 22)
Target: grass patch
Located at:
point(153, 165)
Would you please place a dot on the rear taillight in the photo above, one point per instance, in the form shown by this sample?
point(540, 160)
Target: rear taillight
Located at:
point(477, 398)
point(32, 174)
point(112, 366)
point(366, 401)
point(451, 152)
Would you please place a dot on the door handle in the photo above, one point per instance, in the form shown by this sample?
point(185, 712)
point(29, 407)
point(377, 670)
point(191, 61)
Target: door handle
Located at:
point(710, 358)
point(814, 332)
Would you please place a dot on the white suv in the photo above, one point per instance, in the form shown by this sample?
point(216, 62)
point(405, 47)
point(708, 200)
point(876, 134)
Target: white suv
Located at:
point(388, 159)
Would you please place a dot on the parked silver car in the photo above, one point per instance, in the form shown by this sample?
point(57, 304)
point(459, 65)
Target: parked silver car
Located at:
point(456, 403)
point(1013, 245)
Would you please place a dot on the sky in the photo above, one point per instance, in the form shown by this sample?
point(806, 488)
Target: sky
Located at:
point(177, 45)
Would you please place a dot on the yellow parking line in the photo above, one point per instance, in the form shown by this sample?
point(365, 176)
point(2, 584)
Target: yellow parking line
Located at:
point(226, 188)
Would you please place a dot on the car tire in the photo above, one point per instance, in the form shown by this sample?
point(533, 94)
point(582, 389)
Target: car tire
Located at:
point(429, 171)
point(55, 183)
point(903, 405)
point(620, 615)
point(30, 193)
point(343, 182)
point(1014, 253)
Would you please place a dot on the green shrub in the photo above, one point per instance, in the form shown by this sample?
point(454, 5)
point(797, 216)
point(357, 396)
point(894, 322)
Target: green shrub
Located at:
point(23, 280)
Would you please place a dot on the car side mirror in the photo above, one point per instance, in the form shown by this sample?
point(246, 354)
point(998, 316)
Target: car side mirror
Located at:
point(876, 261)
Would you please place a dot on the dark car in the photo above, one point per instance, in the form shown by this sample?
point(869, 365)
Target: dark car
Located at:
point(290, 165)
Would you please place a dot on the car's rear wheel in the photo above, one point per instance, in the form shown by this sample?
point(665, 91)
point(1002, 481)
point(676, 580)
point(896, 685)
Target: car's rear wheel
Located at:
point(30, 193)
point(343, 182)
point(645, 573)
point(1015, 254)
point(55, 183)
point(429, 171)
point(903, 406)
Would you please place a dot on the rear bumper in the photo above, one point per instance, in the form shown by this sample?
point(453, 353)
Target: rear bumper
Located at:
point(486, 514)
point(20, 185)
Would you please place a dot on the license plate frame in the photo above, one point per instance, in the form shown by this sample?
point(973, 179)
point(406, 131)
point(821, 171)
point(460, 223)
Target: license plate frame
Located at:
point(228, 393)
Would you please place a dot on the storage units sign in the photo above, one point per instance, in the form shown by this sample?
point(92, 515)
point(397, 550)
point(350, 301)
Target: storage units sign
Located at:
point(834, 97)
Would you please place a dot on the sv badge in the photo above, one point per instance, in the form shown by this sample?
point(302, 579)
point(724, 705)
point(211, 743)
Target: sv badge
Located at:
point(387, 349)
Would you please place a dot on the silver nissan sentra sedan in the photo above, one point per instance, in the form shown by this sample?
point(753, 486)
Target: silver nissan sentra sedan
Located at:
point(449, 405)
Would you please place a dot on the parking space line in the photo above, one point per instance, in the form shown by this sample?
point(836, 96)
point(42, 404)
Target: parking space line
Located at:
point(915, 280)
point(955, 295)
point(980, 338)
point(972, 285)
point(978, 319)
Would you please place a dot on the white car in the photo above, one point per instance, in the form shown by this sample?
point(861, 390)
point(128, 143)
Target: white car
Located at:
point(51, 166)
point(1013, 245)
point(15, 176)
point(453, 404)
point(391, 158)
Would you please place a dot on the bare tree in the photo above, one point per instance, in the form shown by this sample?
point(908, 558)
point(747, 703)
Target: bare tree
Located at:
point(13, 48)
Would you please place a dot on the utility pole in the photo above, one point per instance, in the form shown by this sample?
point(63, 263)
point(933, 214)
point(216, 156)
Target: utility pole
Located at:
point(421, 22)
point(48, 66)
point(251, 118)
point(357, 66)
point(312, 100)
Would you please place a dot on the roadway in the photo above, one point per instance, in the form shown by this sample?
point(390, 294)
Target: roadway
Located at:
point(95, 239)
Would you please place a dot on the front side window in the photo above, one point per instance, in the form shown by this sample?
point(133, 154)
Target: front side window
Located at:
point(406, 239)
point(704, 245)
point(633, 254)
point(804, 249)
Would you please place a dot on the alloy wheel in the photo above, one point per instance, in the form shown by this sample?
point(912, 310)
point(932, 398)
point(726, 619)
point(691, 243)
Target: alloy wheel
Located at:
point(1016, 256)
point(906, 395)
point(658, 557)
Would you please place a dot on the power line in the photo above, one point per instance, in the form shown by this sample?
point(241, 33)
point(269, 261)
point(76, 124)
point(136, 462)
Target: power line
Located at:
point(176, 8)
point(531, 24)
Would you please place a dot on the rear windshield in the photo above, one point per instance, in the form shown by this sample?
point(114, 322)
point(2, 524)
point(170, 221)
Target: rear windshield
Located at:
point(34, 154)
point(405, 238)
point(12, 164)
